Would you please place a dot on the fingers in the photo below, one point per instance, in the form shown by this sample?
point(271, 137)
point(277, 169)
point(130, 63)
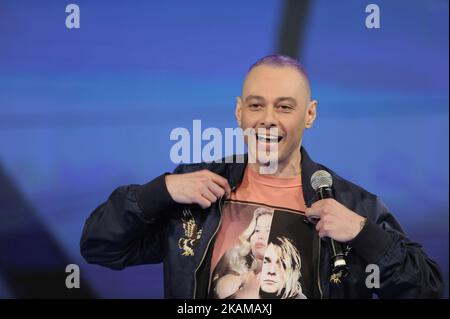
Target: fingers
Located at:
point(313, 213)
point(336, 221)
point(221, 181)
point(203, 202)
point(320, 229)
point(322, 212)
point(320, 208)
point(212, 193)
point(209, 188)
point(208, 195)
point(327, 226)
point(216, 190)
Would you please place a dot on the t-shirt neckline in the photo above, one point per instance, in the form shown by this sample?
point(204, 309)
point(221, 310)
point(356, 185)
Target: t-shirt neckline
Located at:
point(273, 181)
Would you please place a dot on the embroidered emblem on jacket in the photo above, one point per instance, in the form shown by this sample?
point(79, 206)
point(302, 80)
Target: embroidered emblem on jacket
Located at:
point(192, 234)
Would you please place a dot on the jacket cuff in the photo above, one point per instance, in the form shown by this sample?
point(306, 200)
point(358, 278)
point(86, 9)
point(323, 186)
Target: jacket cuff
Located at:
point(154, 197)
point(371, 243)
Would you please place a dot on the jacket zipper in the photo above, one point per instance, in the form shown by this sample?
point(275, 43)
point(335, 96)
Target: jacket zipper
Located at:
point(318, 273)
point(209, 242)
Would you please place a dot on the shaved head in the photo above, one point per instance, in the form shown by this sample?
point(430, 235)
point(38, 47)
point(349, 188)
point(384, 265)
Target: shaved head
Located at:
point(282, 61)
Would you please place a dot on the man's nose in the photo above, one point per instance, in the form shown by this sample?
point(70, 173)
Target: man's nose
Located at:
point(271, 270)
point(269, 118)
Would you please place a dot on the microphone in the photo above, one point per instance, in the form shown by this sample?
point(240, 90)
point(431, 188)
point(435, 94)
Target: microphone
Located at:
point(321, 182)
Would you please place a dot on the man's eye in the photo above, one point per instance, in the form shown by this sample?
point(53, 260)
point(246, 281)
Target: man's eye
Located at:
point(285, 107)
point(255, 106)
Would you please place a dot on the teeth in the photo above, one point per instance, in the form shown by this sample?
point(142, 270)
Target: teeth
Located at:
point(269, 138)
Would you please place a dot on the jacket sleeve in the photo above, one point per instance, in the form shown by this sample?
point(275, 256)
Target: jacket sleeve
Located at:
point(405, 270)
point(127, 229)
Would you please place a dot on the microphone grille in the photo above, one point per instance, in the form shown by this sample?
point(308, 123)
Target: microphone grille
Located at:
point(320, 179)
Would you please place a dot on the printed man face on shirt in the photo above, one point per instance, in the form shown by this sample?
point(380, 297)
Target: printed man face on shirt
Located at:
point(273, 272)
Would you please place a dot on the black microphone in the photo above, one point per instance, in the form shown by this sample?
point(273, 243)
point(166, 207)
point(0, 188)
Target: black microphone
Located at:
point(321, 182)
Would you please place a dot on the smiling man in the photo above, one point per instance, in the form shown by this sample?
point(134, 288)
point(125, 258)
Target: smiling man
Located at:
point(201, 212)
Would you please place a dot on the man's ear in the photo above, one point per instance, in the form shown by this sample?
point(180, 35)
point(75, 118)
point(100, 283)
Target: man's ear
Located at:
point(311, 113)
point(238, 111)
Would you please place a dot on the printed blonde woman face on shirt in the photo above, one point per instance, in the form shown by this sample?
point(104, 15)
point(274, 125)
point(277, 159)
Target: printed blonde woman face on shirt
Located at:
point(236, 266)
point(258, 240)
point(253, 240)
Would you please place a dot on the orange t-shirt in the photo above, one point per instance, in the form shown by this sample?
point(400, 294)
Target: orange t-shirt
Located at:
point(271, 190)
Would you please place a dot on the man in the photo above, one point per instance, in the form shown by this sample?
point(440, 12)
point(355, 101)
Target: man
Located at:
point(188, 219)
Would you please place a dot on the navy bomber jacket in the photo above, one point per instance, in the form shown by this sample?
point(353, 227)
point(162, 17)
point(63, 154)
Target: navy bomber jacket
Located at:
point(142, 224)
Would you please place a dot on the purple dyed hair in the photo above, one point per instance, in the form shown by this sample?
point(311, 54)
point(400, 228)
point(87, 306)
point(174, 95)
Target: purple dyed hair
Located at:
point(279, 60)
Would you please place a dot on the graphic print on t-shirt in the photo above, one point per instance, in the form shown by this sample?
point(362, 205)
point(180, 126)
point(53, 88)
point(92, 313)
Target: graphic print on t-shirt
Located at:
point(261, 252)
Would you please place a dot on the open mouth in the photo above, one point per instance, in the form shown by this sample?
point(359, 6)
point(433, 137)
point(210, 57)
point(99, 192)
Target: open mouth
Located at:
point(268, 138)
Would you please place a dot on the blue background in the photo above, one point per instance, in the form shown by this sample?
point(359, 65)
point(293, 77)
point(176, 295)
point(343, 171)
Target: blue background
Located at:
point(84, 111)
